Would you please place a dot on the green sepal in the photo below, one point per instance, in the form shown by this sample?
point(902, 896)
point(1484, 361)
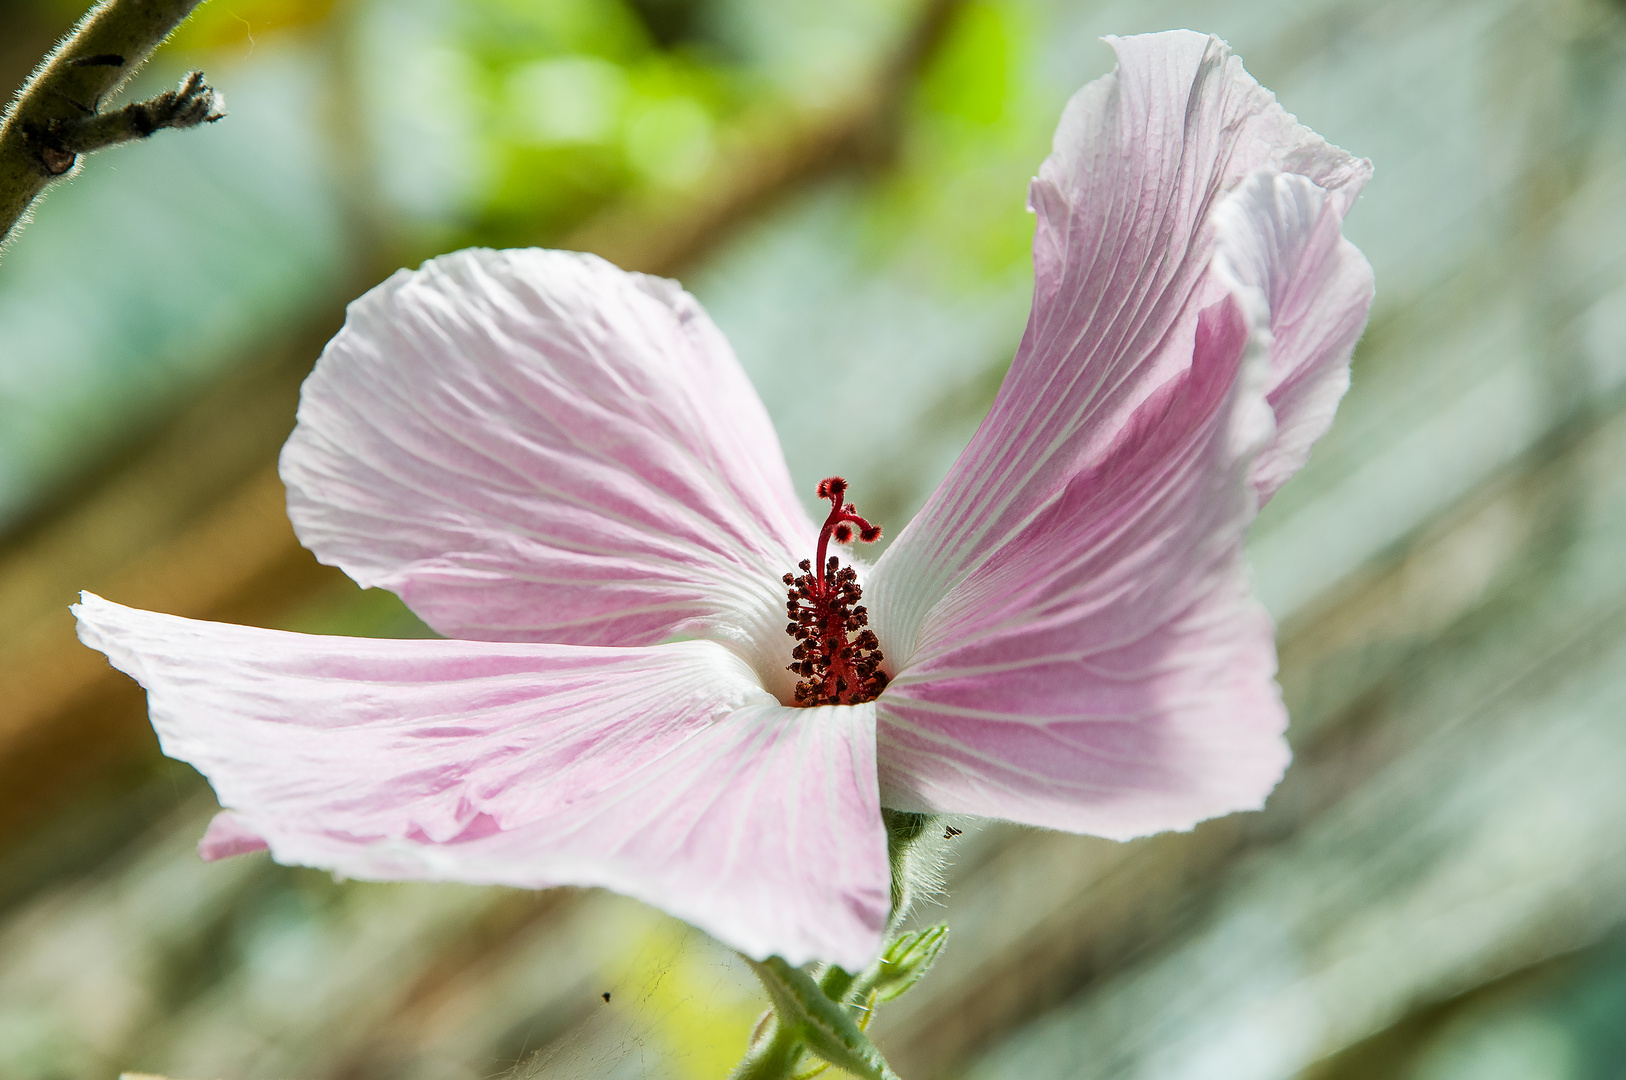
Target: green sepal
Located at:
point(822, 1026)
point(902, 964)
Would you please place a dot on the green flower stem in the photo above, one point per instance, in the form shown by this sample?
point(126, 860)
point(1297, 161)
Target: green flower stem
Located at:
point(824, 1018)
point(836, 982)
point(772, 1058)
point(915, 849)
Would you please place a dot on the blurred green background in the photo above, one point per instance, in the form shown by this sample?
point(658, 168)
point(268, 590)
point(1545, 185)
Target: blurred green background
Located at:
point(1438, 889)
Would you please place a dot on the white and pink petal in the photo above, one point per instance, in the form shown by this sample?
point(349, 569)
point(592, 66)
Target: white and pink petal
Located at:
point(1281, 246)
point(537, 446)
point(1070, 617)
point(1110, 672)
point(665, 773)
point(1122, 250)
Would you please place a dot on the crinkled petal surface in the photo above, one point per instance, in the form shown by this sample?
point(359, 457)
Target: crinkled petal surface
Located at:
point(1110, 673)
point(665, 773)
point(1280, 246)
point(1070, 613)
point(537, 446)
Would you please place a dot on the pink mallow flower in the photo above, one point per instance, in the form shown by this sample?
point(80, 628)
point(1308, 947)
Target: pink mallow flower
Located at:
point(562, 468)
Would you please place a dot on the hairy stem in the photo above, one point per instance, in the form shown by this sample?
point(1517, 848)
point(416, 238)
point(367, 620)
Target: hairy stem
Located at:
point(915, 848)
point(771, 1058)
point(57, 114)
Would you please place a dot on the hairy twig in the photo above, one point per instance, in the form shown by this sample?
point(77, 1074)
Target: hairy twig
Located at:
point(57, 115)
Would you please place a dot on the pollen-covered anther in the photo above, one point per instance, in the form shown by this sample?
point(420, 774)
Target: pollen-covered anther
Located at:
point(836, 668)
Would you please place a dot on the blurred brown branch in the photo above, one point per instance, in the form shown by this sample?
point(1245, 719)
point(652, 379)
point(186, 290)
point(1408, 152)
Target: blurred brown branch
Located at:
point(194, 523)
point(772, 157)
point(57, 115)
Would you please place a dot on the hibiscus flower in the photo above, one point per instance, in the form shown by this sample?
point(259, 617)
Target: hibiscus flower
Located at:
point(661, 676)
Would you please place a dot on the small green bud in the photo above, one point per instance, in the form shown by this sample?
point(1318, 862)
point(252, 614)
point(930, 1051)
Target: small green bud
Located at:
point(905, 961)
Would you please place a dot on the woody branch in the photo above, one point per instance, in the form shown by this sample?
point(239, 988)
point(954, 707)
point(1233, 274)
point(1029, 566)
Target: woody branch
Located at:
point(57, 115)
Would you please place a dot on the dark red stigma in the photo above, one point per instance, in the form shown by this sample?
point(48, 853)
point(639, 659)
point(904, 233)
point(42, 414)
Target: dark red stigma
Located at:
point(838, 658)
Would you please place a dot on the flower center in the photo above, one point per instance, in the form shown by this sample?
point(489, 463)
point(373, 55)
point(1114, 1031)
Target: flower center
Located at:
point(838, 659)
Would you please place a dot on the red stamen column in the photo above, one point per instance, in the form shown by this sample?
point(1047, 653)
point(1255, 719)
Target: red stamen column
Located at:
point(836, 668)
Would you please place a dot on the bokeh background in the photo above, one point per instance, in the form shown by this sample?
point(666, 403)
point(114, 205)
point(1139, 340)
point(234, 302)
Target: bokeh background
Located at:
point(1436, 892)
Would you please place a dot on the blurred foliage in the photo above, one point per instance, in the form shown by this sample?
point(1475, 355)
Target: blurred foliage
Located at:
point(954, 210)
point(231, 27)
point(1561, 1020)
point(564, 106)
point(578, 102)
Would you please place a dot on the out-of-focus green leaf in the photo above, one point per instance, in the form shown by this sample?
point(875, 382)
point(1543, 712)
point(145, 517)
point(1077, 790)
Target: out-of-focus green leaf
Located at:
point(970, 79)
point(243, 23)
point(954, 212)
